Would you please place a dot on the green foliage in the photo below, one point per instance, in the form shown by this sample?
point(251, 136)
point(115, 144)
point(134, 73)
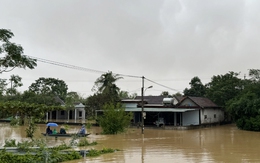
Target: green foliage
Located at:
point(12, 54)
point(62, 146)
point(197, 88)
point(245, 107)
point(40, 157)
point(251, 124)
point(123, 94)
point(107, 150)
point(34, 98)
point(10, 143)
point(23, 109)
point(94, 152)
point(73, 140)
point(223, 88)
point(14, 121)
point(106, 83)
point(165, 93)
point(50, 87)
point(42, 154)
point(115, 119)
point(106, 92)
point(25, 145)
point(45, 154)
point(88, 125)
point(31, 129)
point(84, 142)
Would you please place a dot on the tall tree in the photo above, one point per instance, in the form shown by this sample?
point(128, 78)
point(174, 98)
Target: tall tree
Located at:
point(197, 88)
point(11, 54)
point(50, 86)
point(223, 88)
point(123, 94)
point(245, 107)
point(15, 82)
point(165, 93)
point(3, 85)
point(254, 75)
point(106, 92)
point(34, 98)
point(106, 83)
point(71, 99)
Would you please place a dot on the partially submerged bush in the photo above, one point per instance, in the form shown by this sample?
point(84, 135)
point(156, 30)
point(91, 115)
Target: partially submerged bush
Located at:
point(94, 152)
point(84, 142)
point(10, 143)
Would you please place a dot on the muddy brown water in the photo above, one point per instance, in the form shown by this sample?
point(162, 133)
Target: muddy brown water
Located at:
point(215, 144)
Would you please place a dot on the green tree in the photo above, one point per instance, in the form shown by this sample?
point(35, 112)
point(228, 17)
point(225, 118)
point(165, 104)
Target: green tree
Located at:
point(96, 102)
point(123, 94)
point(71, 99)
point(11, 54)
point(223, 88)
point(197, 88)
point(15, 82)
point(165, 93)
point(115, 119)
point(105, 84)
point(50, 87)
point(245, 107)
point(34, 98)
point(3, 85)
point(177, 94)
point(106, 92)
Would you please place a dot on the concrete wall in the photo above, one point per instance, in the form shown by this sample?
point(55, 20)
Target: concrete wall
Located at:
point(210, 115)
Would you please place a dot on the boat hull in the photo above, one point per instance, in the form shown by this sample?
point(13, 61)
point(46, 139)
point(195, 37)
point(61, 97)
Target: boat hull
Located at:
point(65, 135)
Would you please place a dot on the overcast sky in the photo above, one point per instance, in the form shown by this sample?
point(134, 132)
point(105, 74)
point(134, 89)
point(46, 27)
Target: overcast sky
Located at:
point(166, 41)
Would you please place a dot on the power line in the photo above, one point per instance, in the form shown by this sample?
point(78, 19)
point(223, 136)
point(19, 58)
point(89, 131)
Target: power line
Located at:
point(91, 70)
point(77, 67)
point(162, 85)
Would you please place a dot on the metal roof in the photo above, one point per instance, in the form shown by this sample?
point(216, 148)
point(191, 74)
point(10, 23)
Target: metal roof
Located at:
point(159, 109)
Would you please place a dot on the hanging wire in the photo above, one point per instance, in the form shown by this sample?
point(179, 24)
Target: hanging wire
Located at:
point(92, 70)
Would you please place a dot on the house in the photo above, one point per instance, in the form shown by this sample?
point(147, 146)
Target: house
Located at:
point(174, 111)
point(76, 113)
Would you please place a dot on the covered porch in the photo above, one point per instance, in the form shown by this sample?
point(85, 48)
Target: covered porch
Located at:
point(170, 116)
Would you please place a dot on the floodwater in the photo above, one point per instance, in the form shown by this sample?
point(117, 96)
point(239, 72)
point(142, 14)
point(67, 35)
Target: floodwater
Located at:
point(219, 144)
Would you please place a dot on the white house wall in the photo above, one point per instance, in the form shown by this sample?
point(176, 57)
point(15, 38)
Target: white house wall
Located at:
point(190, 118)
point(211, 116)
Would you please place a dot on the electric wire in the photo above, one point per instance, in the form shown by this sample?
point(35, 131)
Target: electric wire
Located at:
point(161, 85)
point(77, 67)
point(92, 70)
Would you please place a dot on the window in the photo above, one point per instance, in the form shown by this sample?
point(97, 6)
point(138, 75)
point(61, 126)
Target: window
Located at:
point(80, 113)
point(205, 116)
point(62, 113)
point(215, 116)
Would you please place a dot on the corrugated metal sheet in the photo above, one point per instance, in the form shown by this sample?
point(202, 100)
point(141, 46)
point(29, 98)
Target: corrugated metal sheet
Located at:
point(159, 109)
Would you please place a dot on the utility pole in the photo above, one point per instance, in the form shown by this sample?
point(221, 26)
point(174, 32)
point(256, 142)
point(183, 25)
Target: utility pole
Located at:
point(142, 94)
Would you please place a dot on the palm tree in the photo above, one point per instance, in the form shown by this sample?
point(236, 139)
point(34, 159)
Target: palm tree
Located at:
point(106, 83)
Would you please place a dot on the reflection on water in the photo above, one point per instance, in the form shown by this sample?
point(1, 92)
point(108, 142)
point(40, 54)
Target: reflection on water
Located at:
point(216, 144)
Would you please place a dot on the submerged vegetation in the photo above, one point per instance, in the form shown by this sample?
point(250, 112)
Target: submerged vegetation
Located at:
point(37, 151)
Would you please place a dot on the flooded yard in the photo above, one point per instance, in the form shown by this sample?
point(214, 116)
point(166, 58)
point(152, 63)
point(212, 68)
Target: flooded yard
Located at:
point(215, 144)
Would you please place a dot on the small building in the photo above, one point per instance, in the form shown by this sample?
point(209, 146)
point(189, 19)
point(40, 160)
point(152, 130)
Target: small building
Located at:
point(76, 113)
point(174, 111)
